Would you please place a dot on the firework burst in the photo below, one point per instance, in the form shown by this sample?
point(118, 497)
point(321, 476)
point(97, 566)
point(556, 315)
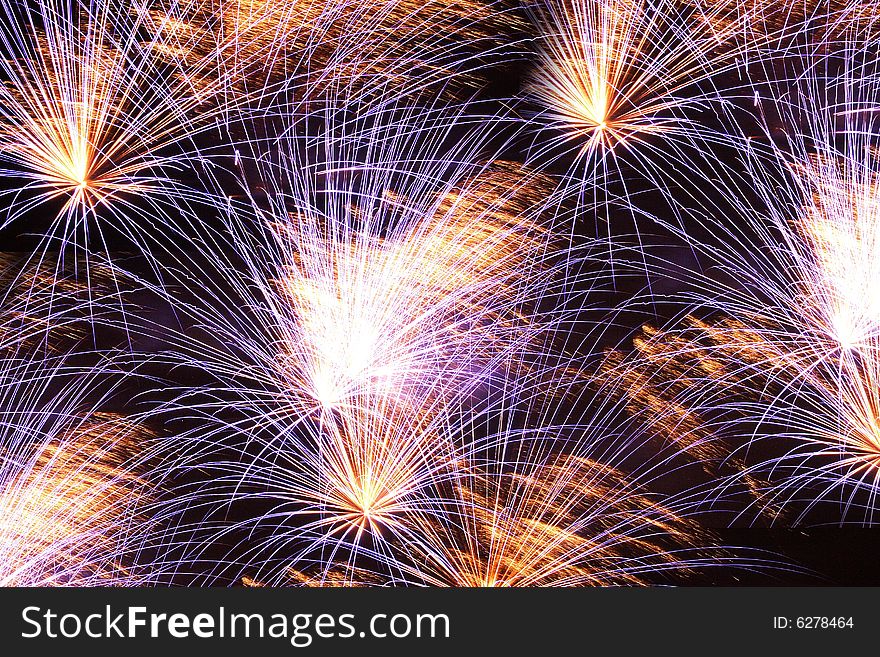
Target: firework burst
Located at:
point(788, 352)
point(631, 97)
point(613, 74)
point(383, 299)
point(93, 127)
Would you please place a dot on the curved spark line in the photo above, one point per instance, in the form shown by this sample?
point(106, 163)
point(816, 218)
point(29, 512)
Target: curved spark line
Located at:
point(793, 359)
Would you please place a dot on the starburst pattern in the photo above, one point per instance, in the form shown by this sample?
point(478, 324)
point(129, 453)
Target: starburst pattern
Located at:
point(470, 294)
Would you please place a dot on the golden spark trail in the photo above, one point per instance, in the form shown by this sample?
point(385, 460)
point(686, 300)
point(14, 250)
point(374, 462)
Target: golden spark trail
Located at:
point(66, 503)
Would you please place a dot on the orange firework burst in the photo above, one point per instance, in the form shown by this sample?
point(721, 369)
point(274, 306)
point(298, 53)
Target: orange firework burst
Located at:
point(568, 522)
point(516, 510)
point(90, 120)
point(613, 73)
point(628, 87)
